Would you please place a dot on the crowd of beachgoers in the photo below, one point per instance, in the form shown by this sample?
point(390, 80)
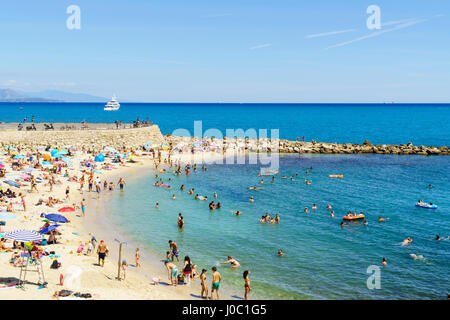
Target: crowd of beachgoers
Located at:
point(45, 190)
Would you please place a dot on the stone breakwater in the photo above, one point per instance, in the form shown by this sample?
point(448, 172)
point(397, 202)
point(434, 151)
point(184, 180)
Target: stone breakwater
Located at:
point(288, 146)
point(130, 137)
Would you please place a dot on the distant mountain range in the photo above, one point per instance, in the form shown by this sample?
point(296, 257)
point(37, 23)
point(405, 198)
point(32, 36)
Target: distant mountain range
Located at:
point(9, 95)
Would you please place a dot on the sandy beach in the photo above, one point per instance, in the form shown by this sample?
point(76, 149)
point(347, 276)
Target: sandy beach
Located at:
point(100, 282)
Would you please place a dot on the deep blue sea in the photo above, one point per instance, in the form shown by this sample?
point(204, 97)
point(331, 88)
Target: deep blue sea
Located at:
point(427, 124)
point(323, 260)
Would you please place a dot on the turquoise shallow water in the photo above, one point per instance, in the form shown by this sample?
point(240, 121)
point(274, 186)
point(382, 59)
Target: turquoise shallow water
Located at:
point(322, 260)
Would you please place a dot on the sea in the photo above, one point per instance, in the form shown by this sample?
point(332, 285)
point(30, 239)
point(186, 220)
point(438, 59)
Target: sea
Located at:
point(323, 260)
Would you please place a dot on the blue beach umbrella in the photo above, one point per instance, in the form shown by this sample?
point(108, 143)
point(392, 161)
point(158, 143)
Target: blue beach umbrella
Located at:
point(99, 158)
point(54, 152)
point(12, 183)
point(66, 159)
point(63, 152)
point(19, 156)
point(49, 228)
point(56, 218)
point(24, 235)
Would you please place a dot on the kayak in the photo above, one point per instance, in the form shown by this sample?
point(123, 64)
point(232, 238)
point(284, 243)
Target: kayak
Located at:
point(357, 217)
point(426, 206)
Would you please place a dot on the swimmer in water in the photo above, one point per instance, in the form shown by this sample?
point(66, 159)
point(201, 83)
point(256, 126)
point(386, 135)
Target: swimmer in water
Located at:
point(280, 253)
point(238, 213)
point(384, 262)
point(332, 213)
point(342, 224)
point(251, 199)
point(157, 205)
point(430, 186)
point(314, 207)
point(262, 220)
point(277, 218)
point(365, 223)
point(255, 188)
point(329, 207)
point(174, 197)
point(234, 263)
point(215, 194)
point(306, 210)
point(382, 219)
point(407, 241)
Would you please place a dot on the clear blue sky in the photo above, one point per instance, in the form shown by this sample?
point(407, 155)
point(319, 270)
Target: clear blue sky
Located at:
point(232, 51)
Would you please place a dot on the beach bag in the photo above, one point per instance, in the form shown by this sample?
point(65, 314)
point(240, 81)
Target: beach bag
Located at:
point(55, 264)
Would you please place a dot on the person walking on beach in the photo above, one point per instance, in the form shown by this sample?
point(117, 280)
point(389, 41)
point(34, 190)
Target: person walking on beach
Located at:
point(137, 258)
point(83, 206)
point(90, 182)
point(67, 193)
point(172, 272)
point(246, 284)
point(203, 283)
point(102, 251)
point(215, 283)
point(33, 184)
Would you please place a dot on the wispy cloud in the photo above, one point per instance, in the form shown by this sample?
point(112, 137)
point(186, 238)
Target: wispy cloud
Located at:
point(261, 46)
point(324, 34)
point(378, 33)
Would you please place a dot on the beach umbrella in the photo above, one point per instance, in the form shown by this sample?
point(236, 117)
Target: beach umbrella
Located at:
point(54, 153)
point(66, 159)
point(2, 166)
point(10, 148)
point(66, 209)
point(49, 228)
point(24, 235)
point(63, 152)
point(12, 183)
point(100, 158)
point(56, 218)
point(19, 156)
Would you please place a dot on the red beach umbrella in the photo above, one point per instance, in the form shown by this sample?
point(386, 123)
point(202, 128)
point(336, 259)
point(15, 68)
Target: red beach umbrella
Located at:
point(66, 209)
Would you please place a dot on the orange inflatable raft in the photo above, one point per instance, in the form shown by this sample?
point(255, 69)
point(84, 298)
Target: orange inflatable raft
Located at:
point(353, 217)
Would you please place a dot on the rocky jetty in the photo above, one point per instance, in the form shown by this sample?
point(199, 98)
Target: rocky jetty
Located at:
point(288, 146)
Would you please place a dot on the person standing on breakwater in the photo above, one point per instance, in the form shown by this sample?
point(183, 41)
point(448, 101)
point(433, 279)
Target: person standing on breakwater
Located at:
point(121, 183)
point(215, 283)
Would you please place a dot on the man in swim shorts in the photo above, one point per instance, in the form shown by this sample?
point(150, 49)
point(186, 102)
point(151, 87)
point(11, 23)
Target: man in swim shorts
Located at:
point(215, 283)
point(174, 250)
point(102, 251)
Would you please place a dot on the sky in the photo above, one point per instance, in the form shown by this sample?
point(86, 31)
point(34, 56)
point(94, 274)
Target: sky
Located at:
point(229, 51)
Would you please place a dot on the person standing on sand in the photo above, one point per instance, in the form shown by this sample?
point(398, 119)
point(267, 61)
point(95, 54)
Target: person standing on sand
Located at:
point(33, 184)
point(203, 283)
point(102, 251)
point(22, 196)
point(137, 258)
point(83, 206)
point(172, 272)
point(246, 284)
point(215, 283)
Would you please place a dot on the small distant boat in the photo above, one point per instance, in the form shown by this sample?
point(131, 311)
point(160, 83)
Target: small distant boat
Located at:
point(354, 217)
point(426, 205)
point(112, 105)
